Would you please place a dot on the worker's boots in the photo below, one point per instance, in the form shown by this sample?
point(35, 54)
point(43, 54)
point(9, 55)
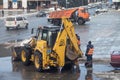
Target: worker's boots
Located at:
point(88, 64)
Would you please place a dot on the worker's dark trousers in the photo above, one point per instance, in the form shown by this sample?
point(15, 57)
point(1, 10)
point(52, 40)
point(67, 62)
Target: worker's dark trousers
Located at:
point(88, 63)
point(89, 57)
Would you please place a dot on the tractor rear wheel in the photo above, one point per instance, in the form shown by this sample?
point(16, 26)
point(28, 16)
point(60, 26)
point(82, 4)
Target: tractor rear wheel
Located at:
point(25, 57)
point(81, 21)
point(38, 61)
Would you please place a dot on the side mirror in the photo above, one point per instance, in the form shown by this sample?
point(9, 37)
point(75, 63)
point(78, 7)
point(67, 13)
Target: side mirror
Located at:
point(32, 31)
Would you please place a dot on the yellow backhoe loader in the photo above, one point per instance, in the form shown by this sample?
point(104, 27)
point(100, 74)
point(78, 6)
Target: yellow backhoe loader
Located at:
point(52, 47)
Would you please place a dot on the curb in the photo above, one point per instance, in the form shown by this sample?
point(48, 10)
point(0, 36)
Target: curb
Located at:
point(101, 60)
point(26, 14)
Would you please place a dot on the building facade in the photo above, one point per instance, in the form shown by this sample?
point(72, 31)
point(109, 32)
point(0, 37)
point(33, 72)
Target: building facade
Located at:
point(38, 4)
point(31, 4)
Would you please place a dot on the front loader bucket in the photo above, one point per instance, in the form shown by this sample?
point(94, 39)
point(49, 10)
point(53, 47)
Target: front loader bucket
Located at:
point(16, 51)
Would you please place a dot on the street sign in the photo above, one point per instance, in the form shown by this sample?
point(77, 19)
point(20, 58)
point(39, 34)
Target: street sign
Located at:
point(14, 0)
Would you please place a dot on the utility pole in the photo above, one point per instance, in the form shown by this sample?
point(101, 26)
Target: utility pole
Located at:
point(66, 3)
point(37, 5)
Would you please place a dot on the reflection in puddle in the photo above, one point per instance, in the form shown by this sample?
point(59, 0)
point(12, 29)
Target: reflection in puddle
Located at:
point(89, 75)
point(86, 73)
point(5, 64)
point(16, 70)
point(30, 73)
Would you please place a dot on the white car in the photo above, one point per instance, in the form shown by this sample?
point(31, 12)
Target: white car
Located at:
point(16, 22)
point(100, 11)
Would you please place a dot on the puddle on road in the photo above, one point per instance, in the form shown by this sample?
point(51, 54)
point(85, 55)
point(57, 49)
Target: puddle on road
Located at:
point(5, 64)
point(16, 70)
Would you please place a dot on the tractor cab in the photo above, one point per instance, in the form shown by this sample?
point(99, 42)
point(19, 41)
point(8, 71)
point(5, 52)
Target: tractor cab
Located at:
point(48, 33)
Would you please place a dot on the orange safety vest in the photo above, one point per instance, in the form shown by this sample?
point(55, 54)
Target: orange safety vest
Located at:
point(90, 52)
point(78, 42)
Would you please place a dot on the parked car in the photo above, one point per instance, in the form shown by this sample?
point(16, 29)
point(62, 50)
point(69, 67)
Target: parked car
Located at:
point(16, 22)
point(41, 14)
point(100, 11)
point(115, 59)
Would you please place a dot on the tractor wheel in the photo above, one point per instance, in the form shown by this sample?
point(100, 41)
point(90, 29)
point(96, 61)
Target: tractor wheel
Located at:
point(25, 56)
point(38, 61)
point(81, 21)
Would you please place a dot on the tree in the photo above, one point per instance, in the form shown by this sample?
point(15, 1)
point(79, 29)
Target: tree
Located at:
point(1, 2)
point(72, 3)
point(61, 3)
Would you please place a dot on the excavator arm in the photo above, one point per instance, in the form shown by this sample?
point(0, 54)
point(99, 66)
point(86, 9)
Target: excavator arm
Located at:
point(60, 47)
point(69, 28)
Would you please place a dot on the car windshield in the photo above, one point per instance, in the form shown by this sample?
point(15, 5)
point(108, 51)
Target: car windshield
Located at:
point(19, 18)
point(116, 52)
point(10, 19)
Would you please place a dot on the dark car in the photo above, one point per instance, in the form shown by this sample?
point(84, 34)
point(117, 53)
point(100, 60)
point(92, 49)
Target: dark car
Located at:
point(41, 14)
point(115, 59)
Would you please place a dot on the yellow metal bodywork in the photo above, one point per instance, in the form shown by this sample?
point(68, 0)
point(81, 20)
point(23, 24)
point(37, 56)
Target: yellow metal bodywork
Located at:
point(41, 47)
point(69, 28)
point(59, 48)
point(60, 45)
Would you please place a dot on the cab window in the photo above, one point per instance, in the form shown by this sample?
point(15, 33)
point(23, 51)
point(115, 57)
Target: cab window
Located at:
point(52, 38)
point(44, 35)
point(19, 19)
point(38, 34)
point(84, 10)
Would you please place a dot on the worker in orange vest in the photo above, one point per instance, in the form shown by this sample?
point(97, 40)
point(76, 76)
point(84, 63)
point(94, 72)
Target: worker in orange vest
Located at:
point(89, 51)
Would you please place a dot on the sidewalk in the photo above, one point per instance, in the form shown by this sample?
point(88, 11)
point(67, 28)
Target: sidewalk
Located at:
point(17, 12)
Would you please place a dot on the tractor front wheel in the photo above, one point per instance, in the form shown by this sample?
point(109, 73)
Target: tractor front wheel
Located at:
point(38, 61)
point(25, 57)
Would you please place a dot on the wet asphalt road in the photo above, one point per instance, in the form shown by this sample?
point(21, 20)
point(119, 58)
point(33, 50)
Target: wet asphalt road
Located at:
point(21, 33)
point(16, 71)
point(34, 22)
point(102, 30)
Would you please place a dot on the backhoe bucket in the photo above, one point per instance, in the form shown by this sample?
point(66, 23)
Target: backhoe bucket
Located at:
point(70, 54)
